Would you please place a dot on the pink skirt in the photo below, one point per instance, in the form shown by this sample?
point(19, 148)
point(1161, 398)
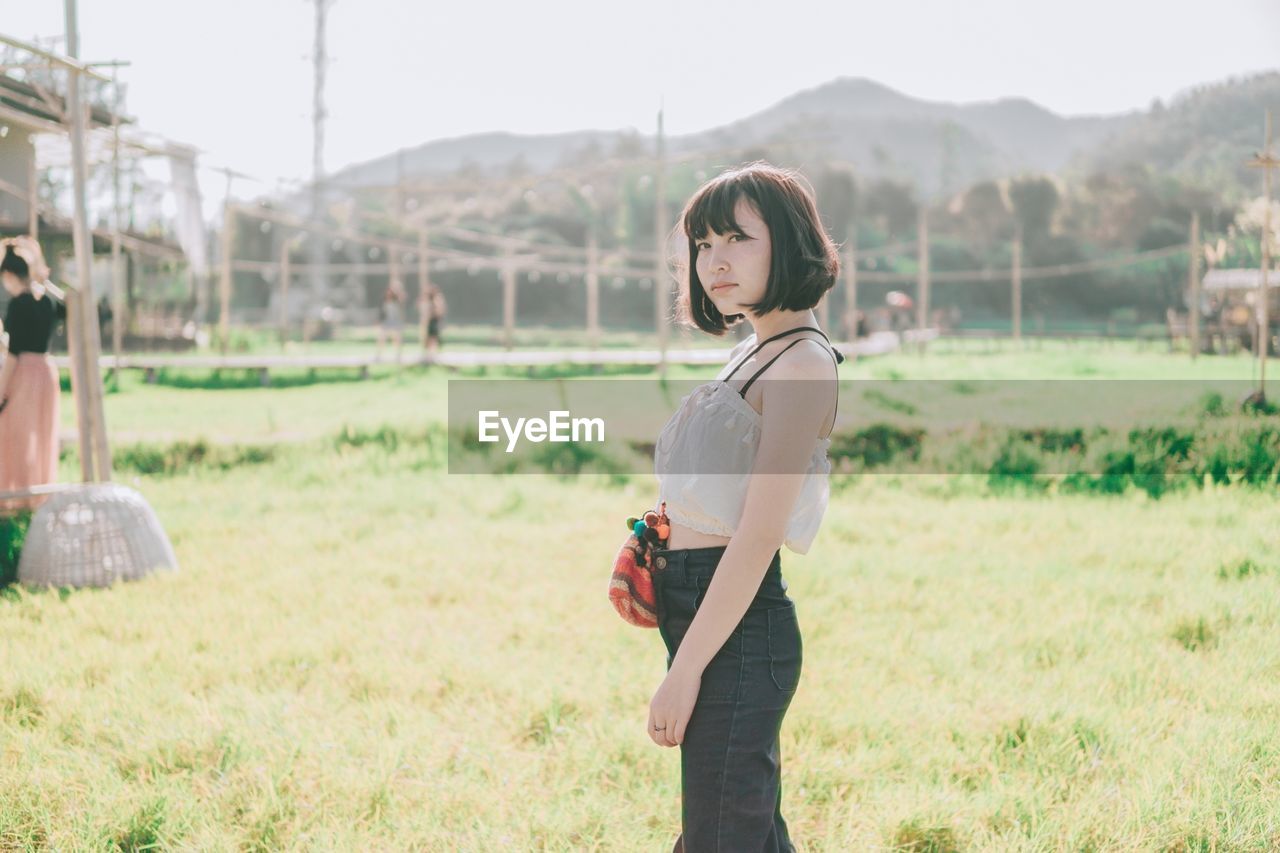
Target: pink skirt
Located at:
point(29, 425)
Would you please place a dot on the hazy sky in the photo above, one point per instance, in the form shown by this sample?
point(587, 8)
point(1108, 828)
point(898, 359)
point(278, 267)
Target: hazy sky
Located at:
point(233, 77)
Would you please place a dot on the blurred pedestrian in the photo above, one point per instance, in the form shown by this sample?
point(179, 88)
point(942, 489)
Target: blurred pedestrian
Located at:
point(29, 386)
point(392, 318)
point(432, 306)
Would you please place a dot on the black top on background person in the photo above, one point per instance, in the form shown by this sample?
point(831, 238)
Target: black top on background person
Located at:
point(30, 321)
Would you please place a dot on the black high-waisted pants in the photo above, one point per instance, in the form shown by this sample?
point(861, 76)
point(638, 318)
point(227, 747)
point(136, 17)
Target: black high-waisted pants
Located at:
point(730, 764)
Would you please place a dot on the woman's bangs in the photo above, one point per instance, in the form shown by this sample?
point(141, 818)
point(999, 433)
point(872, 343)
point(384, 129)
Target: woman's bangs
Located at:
point(713, 211)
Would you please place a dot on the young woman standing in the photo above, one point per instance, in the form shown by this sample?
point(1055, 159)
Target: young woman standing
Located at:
point(742, 467)
point(29, 386)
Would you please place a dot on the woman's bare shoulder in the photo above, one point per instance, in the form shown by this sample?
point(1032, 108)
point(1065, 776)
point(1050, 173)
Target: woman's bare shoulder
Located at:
point(810, 359)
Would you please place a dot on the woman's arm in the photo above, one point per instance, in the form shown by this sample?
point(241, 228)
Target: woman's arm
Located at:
point(6, 371)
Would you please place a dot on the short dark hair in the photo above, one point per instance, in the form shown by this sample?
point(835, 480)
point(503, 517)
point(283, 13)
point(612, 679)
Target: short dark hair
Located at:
point(15, 263)
point(804, 262)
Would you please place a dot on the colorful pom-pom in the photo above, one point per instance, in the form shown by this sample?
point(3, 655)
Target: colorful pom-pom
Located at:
point(664, 530)
point(638, 528)
point(631, 522)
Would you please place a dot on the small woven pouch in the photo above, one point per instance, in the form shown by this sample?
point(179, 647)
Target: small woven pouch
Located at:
point(631, 583)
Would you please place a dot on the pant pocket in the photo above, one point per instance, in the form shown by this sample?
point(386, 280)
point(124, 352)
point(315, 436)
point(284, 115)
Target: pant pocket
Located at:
point(786, 650)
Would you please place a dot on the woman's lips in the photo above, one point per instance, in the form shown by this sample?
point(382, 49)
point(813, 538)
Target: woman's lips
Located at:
point(722, 286)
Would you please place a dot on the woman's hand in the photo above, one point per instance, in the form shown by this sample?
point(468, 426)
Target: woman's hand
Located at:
point(672, 706)
point(29, 250)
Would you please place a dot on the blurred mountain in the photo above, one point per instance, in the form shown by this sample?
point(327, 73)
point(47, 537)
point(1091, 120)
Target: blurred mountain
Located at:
point(1203, 135)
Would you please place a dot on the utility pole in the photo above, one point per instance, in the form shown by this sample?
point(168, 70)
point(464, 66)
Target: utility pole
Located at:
point(1266, 161)
point(318, 114)
point(661, 289)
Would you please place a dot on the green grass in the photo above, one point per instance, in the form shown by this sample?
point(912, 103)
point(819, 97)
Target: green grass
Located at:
point(363, 652)
point(181, 407)
point(384, 656)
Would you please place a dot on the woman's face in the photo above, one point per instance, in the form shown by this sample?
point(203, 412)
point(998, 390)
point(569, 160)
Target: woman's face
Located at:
point(734, 268)
point(12, 284)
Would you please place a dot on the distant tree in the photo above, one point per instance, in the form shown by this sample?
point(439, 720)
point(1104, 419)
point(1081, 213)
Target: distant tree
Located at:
point(837, 191)
point(985, 216)
point(892, 206)
point(630, 146)
point(1035, 201)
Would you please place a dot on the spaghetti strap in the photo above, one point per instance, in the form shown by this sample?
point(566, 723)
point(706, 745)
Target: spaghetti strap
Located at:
point(833, 352)
point(837, 355)
point(768, 364)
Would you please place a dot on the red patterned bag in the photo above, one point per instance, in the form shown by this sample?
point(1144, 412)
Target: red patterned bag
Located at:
point(631, 584)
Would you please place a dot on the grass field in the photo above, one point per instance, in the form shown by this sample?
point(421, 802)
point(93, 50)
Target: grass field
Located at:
point(363, 652)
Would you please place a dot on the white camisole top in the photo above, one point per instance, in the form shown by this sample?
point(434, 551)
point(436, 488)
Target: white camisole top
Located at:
point(705, 453)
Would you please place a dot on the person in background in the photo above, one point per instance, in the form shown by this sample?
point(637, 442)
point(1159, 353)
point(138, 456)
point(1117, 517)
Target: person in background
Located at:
point(29, 387)
point(431, 305)
point(392, 318)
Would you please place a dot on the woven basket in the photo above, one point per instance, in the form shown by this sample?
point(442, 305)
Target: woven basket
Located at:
point(93, 535)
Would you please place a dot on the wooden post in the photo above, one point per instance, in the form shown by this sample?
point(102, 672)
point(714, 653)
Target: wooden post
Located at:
point(1193, 286)
point(79, 379)
point(1264, 291)
point(661, 288)
point(508, 299)
point(593, 285)
point(33, 194)
point(224, 277)
point(286, 273)
point(424, 286)
point(922, 274)
point(94, 443)
point(1016, 284)
point(1266, 161)
point(117, 267)
point(851, 285)
point(393, 269)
